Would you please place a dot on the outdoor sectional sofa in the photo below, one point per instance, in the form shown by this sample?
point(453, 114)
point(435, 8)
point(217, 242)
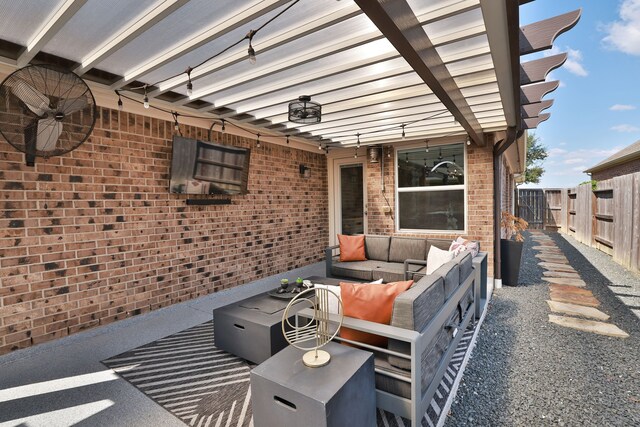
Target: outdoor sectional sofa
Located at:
point(428, 321)
point(388, 258)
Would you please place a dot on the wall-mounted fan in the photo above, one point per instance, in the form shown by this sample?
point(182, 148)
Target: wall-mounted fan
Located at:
point(45, 111)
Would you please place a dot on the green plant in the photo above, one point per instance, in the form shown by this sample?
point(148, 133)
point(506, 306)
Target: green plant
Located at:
point(512, 225)
point(593, 182)
point(536, 154)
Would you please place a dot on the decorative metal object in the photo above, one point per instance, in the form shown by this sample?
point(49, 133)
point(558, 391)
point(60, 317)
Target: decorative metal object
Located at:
point(373, 153)
point(305, 111)
point(317, 331)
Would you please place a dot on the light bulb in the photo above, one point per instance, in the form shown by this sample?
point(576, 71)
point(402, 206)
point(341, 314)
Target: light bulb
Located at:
point(319, 146)
point(468, 141)
point(146, 101)
point(223, 129)
point(120, 106)
point(176, 126)
point(403, 135)
point(287, 139)
point(258, 141)
point(189, 89)
point(252, 54)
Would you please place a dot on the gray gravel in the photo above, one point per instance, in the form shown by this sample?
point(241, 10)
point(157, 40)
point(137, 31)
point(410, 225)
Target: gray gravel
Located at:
point(527, 371)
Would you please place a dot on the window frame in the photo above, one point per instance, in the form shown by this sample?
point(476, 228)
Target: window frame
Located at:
point(458, 187)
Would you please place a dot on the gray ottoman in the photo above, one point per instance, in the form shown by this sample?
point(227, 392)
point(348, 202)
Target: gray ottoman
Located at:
point(251, 328)
point(284, 392)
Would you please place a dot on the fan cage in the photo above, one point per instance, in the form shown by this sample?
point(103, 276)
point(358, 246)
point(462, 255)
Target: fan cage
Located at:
point(305, 111)
point(70, 109)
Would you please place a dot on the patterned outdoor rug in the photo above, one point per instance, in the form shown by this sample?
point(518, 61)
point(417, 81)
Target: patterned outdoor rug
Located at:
point(205, 387)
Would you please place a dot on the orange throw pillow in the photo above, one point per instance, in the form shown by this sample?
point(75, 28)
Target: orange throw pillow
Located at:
point(371, 302)
point(351, 248)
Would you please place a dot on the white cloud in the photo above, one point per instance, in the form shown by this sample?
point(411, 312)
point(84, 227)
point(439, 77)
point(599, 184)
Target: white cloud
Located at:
point(573, 64)
point(622, 107)
point(573, 160)
point(580, 168)
point(556, 152)
point(625, 128)
point(624, 34)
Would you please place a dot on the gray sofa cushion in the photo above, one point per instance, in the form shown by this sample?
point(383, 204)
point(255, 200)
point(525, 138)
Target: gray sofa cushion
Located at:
point(388, 272)
point(443, 244)
point(465, 261)
point(413, 309)
point(377, 247)
point(403, 248)
point(355, 269)
point(450, 272)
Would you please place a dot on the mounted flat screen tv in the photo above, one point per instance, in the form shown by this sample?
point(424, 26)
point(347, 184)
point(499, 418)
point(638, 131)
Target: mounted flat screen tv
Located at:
point(199, 167)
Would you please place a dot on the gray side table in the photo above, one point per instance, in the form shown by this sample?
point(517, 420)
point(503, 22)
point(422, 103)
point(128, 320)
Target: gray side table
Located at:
point(251, 328)
point(284, 392)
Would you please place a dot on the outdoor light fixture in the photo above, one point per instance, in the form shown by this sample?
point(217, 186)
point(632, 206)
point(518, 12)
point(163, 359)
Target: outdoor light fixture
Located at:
point(305, 111)
point(403, 135)
point(373, 153)
point(258, 141)
point(305, 171)
point(119, 102)
point(358, 142)
point(468, 140)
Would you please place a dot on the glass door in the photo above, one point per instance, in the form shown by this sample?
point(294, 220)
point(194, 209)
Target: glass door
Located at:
point(351, 213)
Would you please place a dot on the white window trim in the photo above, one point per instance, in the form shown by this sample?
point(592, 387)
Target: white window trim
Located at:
point(438, 188)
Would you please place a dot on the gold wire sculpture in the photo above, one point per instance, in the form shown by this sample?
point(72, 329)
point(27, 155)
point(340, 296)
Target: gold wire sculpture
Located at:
point(317, 330)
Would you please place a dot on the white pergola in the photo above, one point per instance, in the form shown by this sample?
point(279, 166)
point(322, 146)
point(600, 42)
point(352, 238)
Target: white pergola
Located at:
point(432, 68)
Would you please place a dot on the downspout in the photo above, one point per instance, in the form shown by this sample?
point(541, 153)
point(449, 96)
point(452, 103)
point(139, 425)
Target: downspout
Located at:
point(498, 149)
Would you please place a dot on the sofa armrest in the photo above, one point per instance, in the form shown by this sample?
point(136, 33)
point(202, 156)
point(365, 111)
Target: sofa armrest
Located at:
point(328, 255)
point(412, 261)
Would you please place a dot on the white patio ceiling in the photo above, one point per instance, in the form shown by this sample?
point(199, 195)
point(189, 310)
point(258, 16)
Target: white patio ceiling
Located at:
point(324, 48)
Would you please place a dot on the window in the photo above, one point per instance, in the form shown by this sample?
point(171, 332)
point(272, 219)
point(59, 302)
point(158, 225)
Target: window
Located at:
point(431, 188)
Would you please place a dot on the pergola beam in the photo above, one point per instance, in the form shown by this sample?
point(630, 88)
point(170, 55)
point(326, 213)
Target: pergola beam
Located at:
point(536, 71)
point(142, 23)
point(533, 110)
point(252, 12)
point(540, 35)
point(396, 20)
point(50, 28)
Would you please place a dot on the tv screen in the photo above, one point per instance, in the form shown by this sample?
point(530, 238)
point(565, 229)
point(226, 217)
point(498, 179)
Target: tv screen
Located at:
point(199, 167)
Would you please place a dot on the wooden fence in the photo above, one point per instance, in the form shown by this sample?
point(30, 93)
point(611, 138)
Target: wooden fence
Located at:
point(607, 218)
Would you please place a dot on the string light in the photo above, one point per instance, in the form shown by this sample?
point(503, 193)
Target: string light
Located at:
point(223, 128)
point(326, 150)
point(258, 141)
point(287, 139)
point(406, 157)
point(320, 146)
point(426, 149)
point(120, 105)
point(146, 98)
point(355, 156)
point(358, 143)
point(251, 51)
point(389, 152)
point(468, 140)
point(176, 125)
point(189, 84)
point(403, 135)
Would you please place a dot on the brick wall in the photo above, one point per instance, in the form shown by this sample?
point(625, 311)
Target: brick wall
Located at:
point(632, 166)
point(479, 203)
point(94, 236)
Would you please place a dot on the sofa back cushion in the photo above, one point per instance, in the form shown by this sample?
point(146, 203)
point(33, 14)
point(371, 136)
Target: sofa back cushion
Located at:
point(377, 247)
point(414, 309)
point(450, 273)
point(438, 243)
point(403, 248)
point(465, 263)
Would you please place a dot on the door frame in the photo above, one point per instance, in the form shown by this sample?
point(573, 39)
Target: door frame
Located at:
point(335, 197)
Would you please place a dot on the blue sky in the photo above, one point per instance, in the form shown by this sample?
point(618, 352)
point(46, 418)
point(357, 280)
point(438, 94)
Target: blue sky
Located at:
point(596, 111)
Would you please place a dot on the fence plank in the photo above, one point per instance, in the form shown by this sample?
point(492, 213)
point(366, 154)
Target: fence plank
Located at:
point(622, 218)
point(635, 238)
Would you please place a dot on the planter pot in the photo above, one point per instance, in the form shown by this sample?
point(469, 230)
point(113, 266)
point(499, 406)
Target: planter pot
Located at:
point(510, 256)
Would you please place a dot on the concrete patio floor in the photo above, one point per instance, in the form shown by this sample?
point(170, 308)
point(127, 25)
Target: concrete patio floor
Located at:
point(63, 383)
